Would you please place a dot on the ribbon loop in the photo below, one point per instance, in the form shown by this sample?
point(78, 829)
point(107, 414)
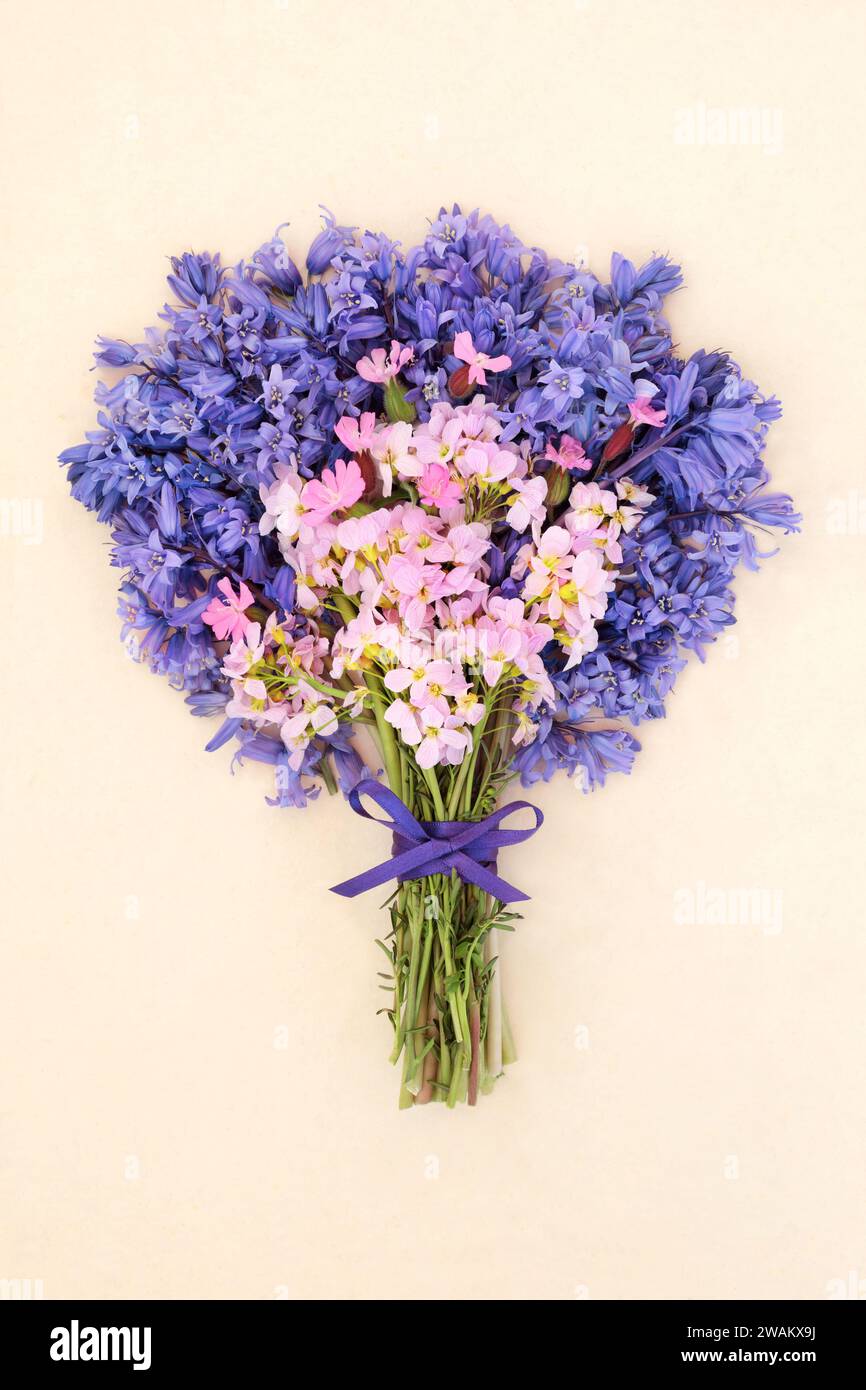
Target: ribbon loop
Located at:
point(422, 848)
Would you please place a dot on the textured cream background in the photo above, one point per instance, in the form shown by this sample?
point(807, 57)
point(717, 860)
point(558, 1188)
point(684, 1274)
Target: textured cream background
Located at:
point(162, 924)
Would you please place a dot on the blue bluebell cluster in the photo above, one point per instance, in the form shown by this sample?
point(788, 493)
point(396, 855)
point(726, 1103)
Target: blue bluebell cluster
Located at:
point(254, 364)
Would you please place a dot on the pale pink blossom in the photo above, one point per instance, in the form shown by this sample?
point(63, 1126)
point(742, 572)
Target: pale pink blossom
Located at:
point(379, 367)
point(246, 649)
point(528, 504)
point(416, 586)
point(441, 741)
point(590, 506)
point(393, 453)
point(284, 509)
point(438, 446)
point(589, 583)
point(486, 462)
point(367, 637)
point(428, 682)
point(634, 493)
point(404, 719)
point(578, 643)
point(468, 707)
point(464, 544)
point(315, 717)
point(549, 564)
point(501, 645)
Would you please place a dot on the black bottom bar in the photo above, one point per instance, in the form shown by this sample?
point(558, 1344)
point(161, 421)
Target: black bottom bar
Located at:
point(158, 1338)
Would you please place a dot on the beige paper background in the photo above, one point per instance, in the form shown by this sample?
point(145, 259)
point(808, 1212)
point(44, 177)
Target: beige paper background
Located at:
point(162, 924)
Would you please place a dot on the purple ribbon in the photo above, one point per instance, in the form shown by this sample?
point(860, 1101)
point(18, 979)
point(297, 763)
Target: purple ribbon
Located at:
point(422, 848)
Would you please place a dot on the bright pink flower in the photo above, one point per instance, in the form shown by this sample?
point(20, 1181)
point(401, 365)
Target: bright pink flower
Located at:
point(640, 410)
point(479, 363)
point(354, 435)
point(570, 453)
point(229, 619)
point(437, 488)
point(379, 367)
point(335, 491)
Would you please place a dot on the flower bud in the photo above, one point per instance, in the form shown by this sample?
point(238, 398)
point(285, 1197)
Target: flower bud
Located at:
point(459, 383)
point(618, 442)
point(365, 462)
point(396, 405)
point(558, 486)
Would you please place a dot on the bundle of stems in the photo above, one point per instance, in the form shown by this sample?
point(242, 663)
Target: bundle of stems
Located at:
point(451, 1031)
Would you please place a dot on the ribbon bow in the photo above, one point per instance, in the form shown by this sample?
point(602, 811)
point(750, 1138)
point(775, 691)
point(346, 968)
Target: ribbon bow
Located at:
point(421, 848)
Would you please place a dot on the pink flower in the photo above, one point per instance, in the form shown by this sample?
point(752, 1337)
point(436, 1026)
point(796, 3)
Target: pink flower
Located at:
point(356, 436)
point(283, 508)
point(428, 683)
point(229, 619)
point(570, 453)
point(437, 488)
point(438, 447)
point(500, 644)
point(487, 462)
point(634, 493)
point(589, 585)
point(392, 454)
point(440, 741)
point(380, 368)
point(590, 506)
point(404, 718)
point(479, 363)
point(246, 649)
point(464, 545)
point(335, 491)
point(549, 563)
point(640, 410)
point(528, 504)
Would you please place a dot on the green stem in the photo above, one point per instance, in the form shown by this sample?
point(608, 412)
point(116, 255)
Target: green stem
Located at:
point(433, 783)
point(387, 738)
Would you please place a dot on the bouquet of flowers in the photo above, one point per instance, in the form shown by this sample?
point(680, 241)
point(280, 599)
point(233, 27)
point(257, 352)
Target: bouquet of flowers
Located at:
point(415, 525)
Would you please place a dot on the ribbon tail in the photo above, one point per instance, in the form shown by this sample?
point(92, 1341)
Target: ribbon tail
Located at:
point(412, 863)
